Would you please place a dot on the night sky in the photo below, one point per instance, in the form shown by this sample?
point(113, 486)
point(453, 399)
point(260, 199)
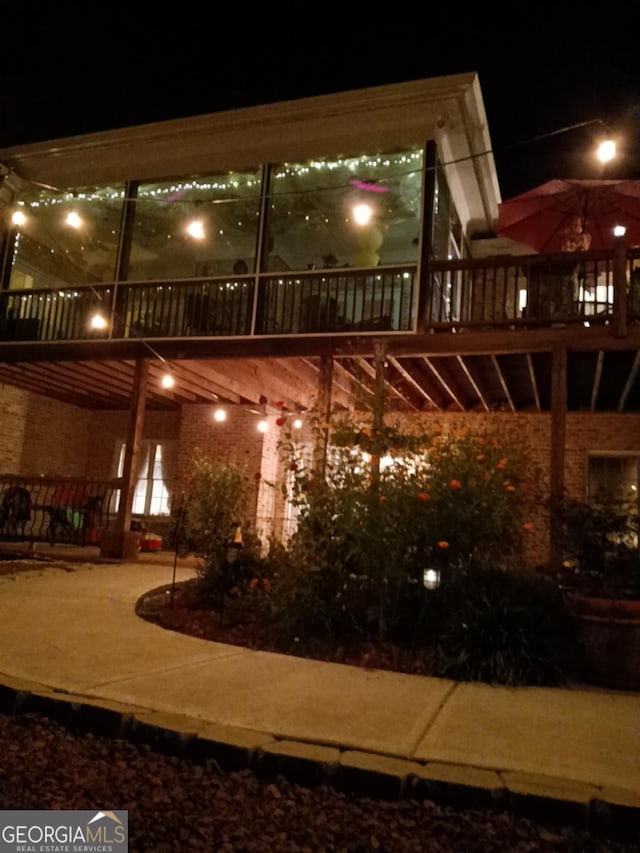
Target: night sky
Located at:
point(70, 69)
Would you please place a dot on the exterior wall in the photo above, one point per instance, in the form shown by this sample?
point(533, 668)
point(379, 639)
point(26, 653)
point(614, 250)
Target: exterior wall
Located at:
point(236, 440)
point(111, 427)
point(593, 433)
point(39, 436)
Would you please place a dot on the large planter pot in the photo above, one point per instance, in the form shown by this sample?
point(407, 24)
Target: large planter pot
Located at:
point(610, 639)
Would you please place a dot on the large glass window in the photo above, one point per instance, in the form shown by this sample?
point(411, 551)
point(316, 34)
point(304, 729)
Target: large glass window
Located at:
point(65, 238)
point(155, 474)
point(195, 227)
point(350, 212)
point(613, 479)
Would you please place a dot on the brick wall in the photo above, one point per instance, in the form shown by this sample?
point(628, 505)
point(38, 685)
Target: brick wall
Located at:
point(41, 436)
point(235, 440)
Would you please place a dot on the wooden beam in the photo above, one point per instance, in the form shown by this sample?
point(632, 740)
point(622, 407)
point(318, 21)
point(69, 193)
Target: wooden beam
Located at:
point(132, 447)
point(558, 441)
point(633, 373)
point(534, 383)
point(503, 382)
point(445, 384)
point(406, 375)
point(597, 377)
point(473, 382)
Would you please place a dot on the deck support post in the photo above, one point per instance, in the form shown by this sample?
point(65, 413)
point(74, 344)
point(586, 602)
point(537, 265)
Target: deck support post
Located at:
point(557, 454)
point(121, 543)
point(325, 386)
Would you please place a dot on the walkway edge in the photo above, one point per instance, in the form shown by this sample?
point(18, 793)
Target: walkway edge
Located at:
point(613, 812)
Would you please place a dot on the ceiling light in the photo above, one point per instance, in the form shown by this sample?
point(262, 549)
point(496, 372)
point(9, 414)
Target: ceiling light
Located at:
point(220, 415)
point(167, 381)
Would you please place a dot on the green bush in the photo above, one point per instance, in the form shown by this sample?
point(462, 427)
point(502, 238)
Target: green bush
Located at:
point(507, 627)
point(392, 504)
point(213, 507)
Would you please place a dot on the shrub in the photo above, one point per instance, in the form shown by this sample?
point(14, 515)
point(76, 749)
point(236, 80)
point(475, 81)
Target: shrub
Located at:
point(391, 504)
point(213, 504)
point(600, 546)
point(507, 627)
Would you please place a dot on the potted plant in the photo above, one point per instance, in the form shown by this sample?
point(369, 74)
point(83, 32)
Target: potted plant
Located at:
point(600, 578)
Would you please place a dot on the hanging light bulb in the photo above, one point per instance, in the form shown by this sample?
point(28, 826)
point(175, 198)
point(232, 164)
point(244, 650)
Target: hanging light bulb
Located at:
point(606, 150)
point(195, 229)
point(362, 214)
point(73, 220)
point(167, 381)
point(18, 218)
point(98, 321)
point(263, 426)
point(220, 415)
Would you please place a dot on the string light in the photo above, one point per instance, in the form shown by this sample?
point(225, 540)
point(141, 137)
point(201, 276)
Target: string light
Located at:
point(98, 321)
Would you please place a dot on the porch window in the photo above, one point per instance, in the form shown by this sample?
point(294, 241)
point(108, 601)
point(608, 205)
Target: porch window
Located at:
point(613, 478)
point(66, 238)
point(196, 226)
point(151, 495)
point(348, 212)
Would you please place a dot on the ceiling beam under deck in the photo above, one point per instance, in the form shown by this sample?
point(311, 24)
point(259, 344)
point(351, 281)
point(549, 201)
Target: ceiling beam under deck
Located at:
point(503, 381)
point(341, 382)
point(597, 377)
point(475, 384)
point(629, 383)
point(409, 379)
point(534, 382)
point(388, 385)
point(445, 383)
point(52, 376)
point(499, 342)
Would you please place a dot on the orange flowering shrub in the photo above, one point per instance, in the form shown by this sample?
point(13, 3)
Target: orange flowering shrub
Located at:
point(391, 505)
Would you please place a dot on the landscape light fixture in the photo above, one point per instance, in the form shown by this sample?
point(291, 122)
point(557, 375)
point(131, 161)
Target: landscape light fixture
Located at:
point(431, 578)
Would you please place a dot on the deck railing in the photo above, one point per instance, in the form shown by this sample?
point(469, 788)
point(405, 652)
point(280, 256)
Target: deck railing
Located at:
point(529, 290)
point(283, 304)
point(56, 510)
point(510, 291)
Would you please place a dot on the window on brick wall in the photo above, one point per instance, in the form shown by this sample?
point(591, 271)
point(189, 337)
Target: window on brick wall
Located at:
point(155, 465)
point(613, 478)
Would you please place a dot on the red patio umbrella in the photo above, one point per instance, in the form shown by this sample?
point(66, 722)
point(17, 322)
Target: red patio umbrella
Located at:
point(572, 215)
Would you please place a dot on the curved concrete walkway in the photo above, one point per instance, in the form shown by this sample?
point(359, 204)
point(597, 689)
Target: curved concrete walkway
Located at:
point(70, 640)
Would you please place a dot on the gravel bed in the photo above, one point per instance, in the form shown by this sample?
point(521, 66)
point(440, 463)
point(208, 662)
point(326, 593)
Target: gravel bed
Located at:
point(176, 805)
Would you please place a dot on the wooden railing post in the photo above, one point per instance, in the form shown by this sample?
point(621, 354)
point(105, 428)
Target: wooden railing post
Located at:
point(620, 309)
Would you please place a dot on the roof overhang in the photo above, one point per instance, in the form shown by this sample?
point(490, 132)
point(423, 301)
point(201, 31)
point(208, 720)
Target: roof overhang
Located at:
point(449, 109)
